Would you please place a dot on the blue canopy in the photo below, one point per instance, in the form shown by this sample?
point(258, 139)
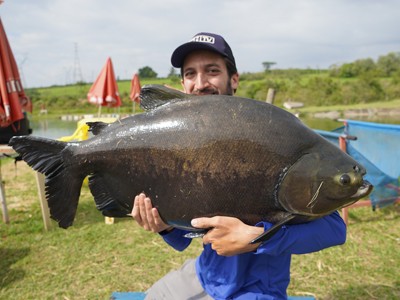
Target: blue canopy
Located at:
point(377, 147)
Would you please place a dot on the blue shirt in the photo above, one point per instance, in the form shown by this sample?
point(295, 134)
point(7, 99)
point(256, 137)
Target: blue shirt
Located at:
point(265, 273)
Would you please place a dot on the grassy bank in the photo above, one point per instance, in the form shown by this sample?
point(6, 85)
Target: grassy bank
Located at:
point(318, 90)
point(379, 105)
point(71, 100)
point(91, 259)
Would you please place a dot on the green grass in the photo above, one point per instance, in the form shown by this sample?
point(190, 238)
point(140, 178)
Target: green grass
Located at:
point(92, 259)
point(393, 104)
point(72, 99)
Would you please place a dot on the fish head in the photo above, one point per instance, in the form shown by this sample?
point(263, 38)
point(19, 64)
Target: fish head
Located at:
point(319, 183)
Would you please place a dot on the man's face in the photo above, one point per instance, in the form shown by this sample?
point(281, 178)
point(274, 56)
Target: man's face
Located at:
point(205, 73)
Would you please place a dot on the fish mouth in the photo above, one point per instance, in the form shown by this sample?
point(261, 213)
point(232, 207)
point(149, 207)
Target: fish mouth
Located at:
point(364, 190)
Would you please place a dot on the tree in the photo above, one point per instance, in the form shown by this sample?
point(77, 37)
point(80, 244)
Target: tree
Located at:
point(354, 69)
point(362, 66)
point(267, 65)
point(172, 73)
point(147, 72)
point(389, 64)
point(347, 70)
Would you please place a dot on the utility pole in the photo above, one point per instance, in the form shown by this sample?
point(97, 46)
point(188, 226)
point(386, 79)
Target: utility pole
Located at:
point(21, 71)
point(77, 76)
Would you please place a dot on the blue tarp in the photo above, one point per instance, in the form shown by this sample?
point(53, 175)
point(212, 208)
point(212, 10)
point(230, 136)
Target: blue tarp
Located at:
point(377, 148)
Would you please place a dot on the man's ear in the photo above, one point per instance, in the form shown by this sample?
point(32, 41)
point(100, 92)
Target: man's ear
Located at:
point(235, 81)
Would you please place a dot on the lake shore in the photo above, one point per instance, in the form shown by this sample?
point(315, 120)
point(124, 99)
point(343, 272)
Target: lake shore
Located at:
point(369, 113)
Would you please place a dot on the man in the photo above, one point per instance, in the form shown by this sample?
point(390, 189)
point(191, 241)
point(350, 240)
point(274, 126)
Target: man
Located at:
point(229, 267)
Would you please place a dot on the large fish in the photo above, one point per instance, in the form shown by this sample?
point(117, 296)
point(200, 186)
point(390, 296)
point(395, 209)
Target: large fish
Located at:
point(200, 156)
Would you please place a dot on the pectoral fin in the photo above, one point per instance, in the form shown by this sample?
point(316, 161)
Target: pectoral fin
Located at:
point(195, 234)
point(265, 236)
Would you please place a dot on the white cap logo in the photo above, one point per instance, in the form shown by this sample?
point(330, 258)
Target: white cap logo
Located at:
point(203, 39)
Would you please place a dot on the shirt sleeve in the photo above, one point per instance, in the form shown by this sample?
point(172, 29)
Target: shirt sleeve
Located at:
point(307, 237)
point(175, 238)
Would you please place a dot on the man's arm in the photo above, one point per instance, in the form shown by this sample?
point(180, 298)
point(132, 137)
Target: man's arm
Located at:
point(308, 237)
point(230, 236)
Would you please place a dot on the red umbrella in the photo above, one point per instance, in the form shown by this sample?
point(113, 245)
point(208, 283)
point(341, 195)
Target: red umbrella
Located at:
point(104, 91)
point(13, 100)
point(135, 90)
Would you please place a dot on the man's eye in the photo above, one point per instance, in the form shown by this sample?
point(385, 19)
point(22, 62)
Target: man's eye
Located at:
point(188, 74)
point(214, 71)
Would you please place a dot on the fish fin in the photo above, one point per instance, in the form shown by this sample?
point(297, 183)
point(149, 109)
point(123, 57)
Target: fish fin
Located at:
point(154, 95)
point(265, 236)
point(97, 127)
point(62, 184)
point(103, 198)
point(195, 234)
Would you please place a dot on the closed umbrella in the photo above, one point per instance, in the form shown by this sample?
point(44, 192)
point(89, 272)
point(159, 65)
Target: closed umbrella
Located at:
point(104, 91)
point(135, 90)
point(13, 101)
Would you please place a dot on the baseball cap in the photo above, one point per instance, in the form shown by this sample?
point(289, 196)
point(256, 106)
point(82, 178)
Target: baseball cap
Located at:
point(202, 41)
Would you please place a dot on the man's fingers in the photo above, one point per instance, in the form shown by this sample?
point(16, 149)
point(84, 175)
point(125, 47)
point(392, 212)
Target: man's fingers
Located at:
point(143, 212)
point(146, 215)
point(148, 207)
point(135, 210)
point(156, 217)
point(205, 222)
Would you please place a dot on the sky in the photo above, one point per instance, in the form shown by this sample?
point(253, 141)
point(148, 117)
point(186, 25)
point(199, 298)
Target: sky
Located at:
point(57, 42)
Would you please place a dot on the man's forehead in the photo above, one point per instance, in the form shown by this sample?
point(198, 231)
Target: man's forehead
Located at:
point(203, 57)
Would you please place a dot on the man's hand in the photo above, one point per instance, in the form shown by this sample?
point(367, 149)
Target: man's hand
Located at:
point(146, 215)
point(228, 236)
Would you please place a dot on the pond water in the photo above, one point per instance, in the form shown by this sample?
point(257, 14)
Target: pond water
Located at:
point(55, 128)
point(52, 128)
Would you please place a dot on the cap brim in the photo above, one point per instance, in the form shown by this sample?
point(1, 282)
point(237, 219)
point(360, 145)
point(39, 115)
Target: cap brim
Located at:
point(178, 56)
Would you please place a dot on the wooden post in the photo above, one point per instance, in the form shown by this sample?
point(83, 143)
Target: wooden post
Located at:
point(4, 210)
point(7, 150)
point(43, 201)
point(270, 96)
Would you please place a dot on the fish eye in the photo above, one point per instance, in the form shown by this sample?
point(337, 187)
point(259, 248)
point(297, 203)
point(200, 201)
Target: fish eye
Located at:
point(345, 179)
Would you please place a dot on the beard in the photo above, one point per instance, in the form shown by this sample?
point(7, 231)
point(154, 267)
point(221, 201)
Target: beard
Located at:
point(213, 91)
point(229, 90)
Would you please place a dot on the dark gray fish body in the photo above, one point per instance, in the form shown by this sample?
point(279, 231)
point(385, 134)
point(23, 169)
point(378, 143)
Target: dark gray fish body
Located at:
point(200, 156)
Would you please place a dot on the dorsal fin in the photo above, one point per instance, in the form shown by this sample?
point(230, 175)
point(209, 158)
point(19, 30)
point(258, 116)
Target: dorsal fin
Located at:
point(154, 95)
point(97, 127)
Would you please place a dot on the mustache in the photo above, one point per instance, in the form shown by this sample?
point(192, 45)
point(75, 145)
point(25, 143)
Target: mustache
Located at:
point(208, 91)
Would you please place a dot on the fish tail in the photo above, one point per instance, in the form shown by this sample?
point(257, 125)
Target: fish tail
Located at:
point(62, 184)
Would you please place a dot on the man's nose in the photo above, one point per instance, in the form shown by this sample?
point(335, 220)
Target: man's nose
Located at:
point(201, 82)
